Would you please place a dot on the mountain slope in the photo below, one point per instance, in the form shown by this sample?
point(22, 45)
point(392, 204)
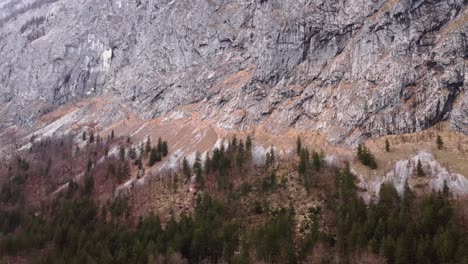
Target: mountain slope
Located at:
point(348, 69)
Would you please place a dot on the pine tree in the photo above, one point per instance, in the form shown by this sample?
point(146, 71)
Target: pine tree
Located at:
point(208, 164)
point(233, 144)
point(186, 168)
point(318, 160)
point(160, 145)
point(112, 134)
point(240, 157)
point(387, 145)
point(88, 184)
point(419, 169)
point(445, 190)
point(165, 149)
point(440, 142)
point(197, 167)
point(298, 145)
point(148, 145)
point(270, 157)
point(366, 157)
point(154, 157)
point(84, 136)
point(122, 153)
point(132, 153)
point(303, 162)
point(248, 143)
point(91, 137)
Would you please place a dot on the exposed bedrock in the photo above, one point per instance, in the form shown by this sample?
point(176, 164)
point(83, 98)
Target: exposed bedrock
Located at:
point(350, 69)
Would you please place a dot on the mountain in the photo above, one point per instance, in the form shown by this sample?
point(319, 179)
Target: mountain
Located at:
point(351, 70)
point(248, 131)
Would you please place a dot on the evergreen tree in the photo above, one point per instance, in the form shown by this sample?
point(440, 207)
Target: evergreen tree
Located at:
point(160, 145)
point(440, 142)
point(419, 169)
point(298, 145)
point(248, 143)
point(302, 168)
point(366, 157)
point(91, 137)
point(122, 153)
point(186, 168)
point(197, 166)
point(233, 144)
point(154, 157)
point(208, 164)
point(270, 157)
point(165, 149)
point(387, 145)
point(112, 134)
point(84, 136)
point(132, 153)
point(148, 145)
point(240, 157)
point(318, 160)
point(88, 184)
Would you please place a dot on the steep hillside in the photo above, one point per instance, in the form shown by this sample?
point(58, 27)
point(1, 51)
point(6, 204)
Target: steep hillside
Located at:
point(347, 69)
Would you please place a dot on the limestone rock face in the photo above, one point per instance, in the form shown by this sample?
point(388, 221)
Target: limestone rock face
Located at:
point(350, 69)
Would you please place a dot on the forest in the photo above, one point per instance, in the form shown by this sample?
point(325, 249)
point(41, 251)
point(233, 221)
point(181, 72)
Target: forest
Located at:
point(79, 227)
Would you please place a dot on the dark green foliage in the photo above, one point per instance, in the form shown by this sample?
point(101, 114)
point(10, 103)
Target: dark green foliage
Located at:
point(155, 156)
point(112, 134)
point(159, 146)
point(298, 145)
point(387, 145)
point(72, 188)
point(83, 136)
point(390, 227)
point(419, 169)
point(208, 165)
point(273, 242)
point(306, 167)
point(366, 157)
point(233, 143)
point(78, 237)
point(88, 184)
point(269, 183)
point(270, 157)
point(248, 143)
point(122, 153)
point(318, 160)
point(241, 155)
point(9, 193)
point(186, 168)
point(198, 170)
point(148, 145)
point(91, 137)
point(165, 149)
point(220, 161)
point(439, 142)
point(132, 153)
point(303, 161)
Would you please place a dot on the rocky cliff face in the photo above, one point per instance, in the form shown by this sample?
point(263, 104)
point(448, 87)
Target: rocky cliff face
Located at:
point(350, 69)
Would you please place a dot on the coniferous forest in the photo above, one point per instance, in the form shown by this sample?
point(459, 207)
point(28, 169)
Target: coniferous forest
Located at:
point(77, 226)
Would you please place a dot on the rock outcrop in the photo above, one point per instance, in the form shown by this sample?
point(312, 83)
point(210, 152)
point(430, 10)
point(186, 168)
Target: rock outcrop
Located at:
point(404, 171)
point(350, 69)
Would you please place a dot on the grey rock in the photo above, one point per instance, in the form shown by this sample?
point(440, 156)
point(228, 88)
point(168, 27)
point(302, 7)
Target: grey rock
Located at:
point(351, 70)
